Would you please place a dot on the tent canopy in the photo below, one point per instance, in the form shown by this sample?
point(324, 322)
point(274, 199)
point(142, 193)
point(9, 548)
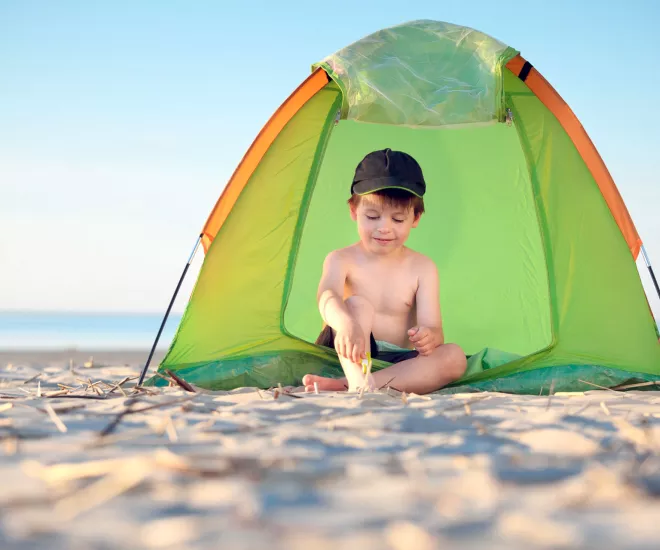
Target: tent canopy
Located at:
point(534, 245)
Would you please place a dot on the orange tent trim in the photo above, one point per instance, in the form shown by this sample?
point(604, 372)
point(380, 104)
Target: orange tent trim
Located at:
point(558, 107)
point(317, 80)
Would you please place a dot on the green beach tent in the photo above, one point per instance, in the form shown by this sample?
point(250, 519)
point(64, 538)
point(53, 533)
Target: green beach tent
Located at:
point(535, 247)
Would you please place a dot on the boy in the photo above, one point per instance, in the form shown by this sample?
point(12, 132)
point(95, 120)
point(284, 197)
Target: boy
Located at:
point(381, 297)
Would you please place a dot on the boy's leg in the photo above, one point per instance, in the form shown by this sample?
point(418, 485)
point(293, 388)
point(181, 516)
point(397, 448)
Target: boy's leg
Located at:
point(423, 374)
point(363, 312)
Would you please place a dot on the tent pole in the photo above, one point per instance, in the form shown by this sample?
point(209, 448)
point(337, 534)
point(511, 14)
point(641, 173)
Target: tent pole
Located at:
point(169, 307)
point(648, 265)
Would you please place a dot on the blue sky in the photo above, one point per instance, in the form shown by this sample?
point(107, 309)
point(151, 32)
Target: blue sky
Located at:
point(120, 122)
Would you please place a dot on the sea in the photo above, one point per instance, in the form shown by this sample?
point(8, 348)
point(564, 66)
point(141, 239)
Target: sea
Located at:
point(27, 330)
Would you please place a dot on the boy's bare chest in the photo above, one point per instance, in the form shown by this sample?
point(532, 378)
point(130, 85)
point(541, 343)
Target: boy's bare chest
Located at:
point(388, 291)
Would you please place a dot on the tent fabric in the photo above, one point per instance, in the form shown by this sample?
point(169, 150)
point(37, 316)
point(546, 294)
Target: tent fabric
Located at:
point(236, 304)
point(256, 152)
point(553, 101)
point(535, 264)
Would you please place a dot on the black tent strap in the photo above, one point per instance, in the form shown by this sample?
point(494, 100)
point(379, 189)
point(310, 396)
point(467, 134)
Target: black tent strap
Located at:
point(524, 72)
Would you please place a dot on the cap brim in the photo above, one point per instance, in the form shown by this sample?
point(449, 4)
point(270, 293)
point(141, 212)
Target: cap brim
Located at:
point(367, 187)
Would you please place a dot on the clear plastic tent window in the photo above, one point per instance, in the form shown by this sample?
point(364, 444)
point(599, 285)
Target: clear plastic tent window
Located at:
point(408, 75)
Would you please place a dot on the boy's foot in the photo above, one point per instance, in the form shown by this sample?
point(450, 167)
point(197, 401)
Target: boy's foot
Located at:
point(323, 383)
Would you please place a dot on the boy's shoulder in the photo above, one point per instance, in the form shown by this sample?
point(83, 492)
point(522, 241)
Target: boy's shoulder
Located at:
point(420, 261)
point(342, 254)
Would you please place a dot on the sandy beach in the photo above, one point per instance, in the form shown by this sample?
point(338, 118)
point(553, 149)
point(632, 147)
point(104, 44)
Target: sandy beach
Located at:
point(88, 462)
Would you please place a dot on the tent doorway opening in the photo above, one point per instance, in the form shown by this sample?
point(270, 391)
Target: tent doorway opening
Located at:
point(480, 227)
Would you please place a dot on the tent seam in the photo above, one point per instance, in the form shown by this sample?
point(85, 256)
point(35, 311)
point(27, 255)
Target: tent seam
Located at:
point(543, 231)
point(304, 208)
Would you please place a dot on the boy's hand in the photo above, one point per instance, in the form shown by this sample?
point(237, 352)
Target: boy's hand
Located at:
point(350, 343)
point(424, 339)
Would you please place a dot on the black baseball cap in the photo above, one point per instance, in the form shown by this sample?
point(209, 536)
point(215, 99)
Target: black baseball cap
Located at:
point(387, 169)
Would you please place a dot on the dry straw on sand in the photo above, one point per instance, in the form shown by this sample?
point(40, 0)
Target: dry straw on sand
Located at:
point(94, 461)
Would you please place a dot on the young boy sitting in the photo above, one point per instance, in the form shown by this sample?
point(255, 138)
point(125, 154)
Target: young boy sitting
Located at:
point(381, 297)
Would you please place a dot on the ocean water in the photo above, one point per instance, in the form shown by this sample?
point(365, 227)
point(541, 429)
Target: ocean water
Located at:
point(93, 331)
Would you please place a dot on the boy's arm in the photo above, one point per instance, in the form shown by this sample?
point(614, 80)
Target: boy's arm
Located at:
point(350, 340)
point(428, 333)
point(331, 291)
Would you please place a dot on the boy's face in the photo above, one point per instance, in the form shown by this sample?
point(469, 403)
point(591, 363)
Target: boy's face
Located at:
point(382, 227)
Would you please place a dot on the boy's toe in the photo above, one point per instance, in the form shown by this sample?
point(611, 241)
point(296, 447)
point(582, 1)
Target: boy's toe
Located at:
point(312, 381)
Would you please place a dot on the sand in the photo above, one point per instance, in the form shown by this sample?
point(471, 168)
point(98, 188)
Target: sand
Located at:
point(252, 469)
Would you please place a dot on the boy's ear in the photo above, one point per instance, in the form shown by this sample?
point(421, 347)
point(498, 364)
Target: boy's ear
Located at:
point(416, 220)
point(353, 212)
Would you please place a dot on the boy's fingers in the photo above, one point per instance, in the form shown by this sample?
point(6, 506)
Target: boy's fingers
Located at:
point(420, 339)
point(424, 340)
point(421, 348)
point(357, 354)
point(420, 333)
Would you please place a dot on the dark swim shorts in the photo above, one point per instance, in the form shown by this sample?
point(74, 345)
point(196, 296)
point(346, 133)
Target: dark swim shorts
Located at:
point(327, 339)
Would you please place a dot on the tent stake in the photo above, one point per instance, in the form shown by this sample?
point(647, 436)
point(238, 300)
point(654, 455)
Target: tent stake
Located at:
point(648, 265)
point(167, 313)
